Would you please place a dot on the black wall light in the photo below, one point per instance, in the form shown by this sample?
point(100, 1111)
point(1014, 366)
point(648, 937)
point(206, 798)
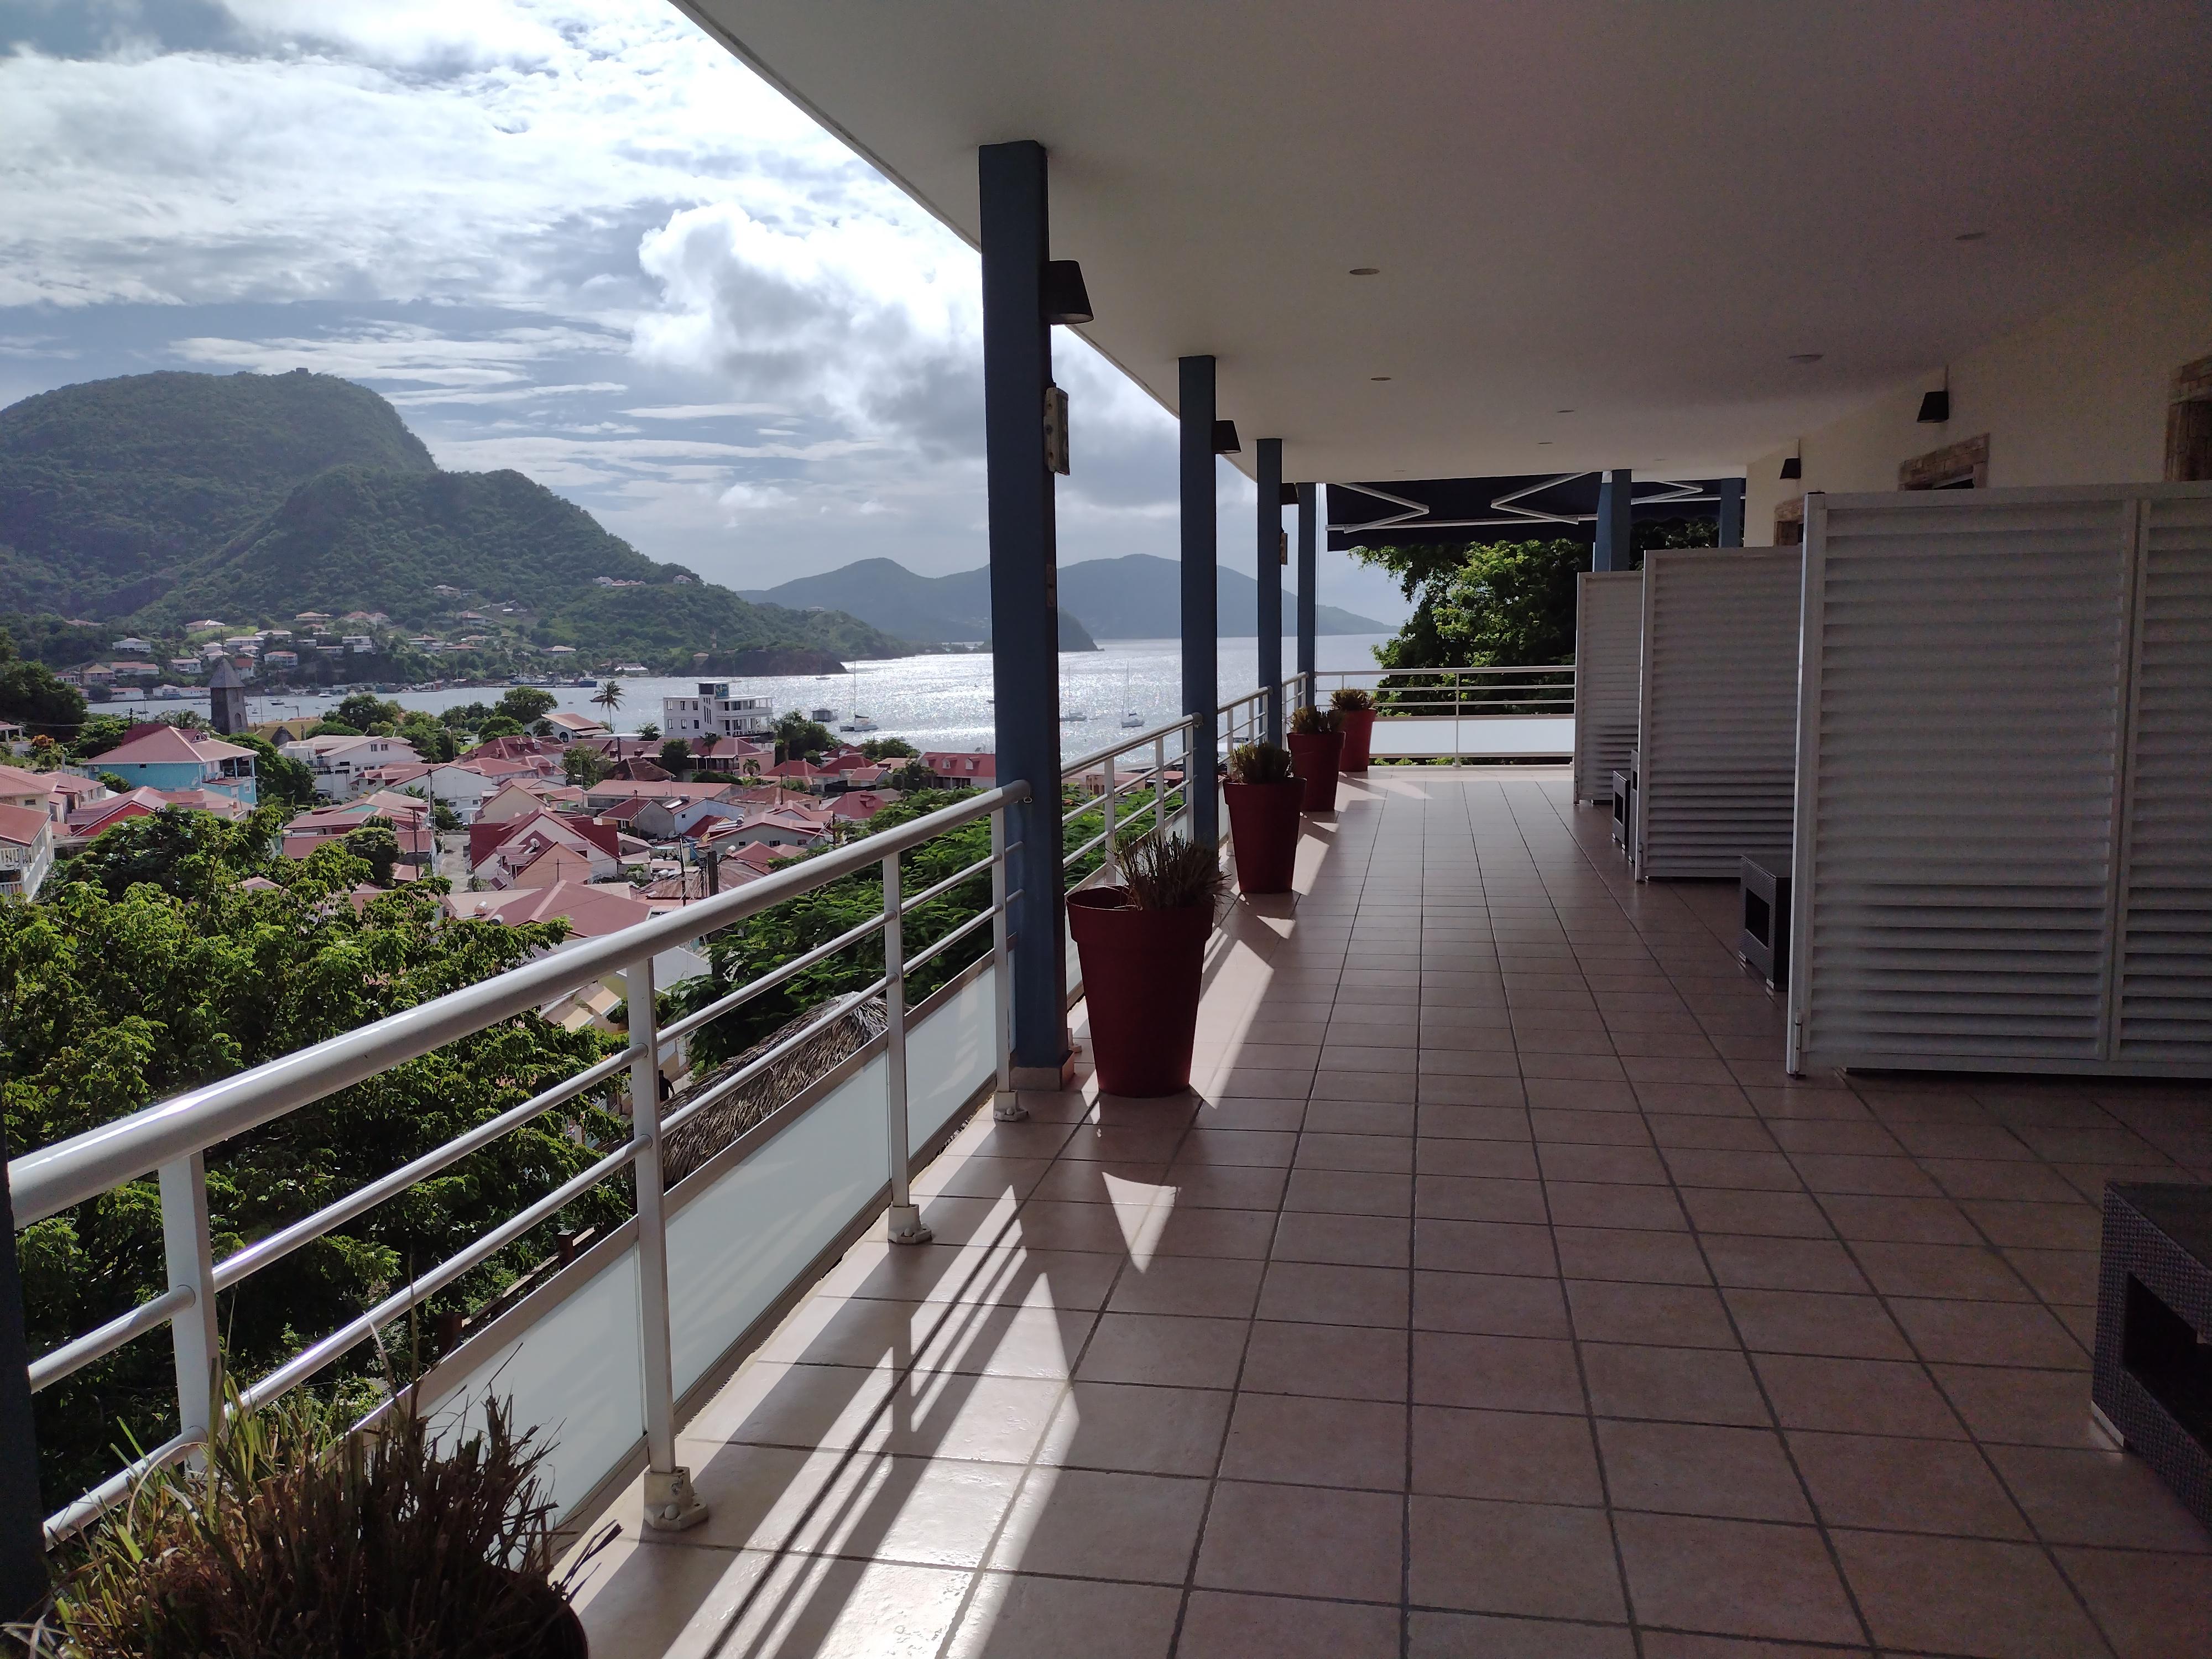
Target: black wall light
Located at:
point(1794, 467)
point(1289, 496)
point(1935, 406)
point(1225, 439)
point(1062, 294)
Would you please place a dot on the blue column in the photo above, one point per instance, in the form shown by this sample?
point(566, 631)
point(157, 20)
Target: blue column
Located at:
point(1025, 630)
point(1269, 548)
point(1201, 688)
point(1731, 512)
point(1616, 548)
point(23, 1541)
point(1308, 519)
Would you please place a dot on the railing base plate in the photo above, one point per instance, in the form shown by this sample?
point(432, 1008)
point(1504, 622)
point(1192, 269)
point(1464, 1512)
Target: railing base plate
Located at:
point(906, 1225)
point(671, 1506)
point(1006, 1108)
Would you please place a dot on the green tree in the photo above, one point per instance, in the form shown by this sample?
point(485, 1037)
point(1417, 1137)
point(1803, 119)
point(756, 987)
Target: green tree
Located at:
point(650, 730)
point(889, 749)
point(184, 853)
point(99, 734)
point(1484, 605)
point(427, 736)
point(277, 778)
point(499, 726)
point(335, 729)
point(584, 765)
point(609, 698)
point(676, 755)
point(377, 845)
point(526, 705)
point(115, 994)
point(34, 698)
point(364, 710)
point(797, 737)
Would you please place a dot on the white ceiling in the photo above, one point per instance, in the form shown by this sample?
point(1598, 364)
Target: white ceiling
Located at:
point(1637, 211)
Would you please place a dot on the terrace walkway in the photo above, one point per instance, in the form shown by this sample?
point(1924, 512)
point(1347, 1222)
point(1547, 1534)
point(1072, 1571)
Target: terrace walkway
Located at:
point(1498, 1295)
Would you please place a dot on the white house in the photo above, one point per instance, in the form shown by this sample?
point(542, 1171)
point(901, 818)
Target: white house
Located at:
point(27, 851)
point(340, 762)
point(715, 714)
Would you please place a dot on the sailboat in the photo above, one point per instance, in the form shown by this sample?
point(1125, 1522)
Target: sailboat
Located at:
point(859, 722)
point(1131, 720)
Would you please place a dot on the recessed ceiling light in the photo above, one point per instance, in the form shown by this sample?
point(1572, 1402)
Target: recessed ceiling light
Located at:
point(1806, 357)
point(1563, 411)
point(1366, 270)
point(1543, 443)
point(1970, 236)
point(1378, 377)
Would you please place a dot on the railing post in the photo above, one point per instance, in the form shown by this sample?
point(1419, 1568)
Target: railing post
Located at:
point(671, 1506)
point(905, 1218)
point(1113, 860)
point(22, 1546)
point(1160, 786)
point(188, 1248)
point(1006, 1103)
point(1309, 514)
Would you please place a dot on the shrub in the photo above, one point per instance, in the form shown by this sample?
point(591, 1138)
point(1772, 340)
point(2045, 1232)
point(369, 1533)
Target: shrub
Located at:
point(1259, 762)
point(1349, 700)
point(1314, 722)
point(1170, 872)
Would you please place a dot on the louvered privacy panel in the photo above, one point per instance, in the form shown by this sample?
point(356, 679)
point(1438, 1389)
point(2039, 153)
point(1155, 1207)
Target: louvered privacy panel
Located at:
point(1608, 632)
point(2004, 846)
point(1717, 736)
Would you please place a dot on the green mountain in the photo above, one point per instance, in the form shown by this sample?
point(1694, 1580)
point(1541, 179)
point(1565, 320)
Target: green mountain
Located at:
point(109, 488)
point(1135, 598)
point(160, 498)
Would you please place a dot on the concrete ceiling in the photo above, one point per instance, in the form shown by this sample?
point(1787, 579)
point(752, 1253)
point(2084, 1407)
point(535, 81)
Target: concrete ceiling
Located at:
point(1637, 212)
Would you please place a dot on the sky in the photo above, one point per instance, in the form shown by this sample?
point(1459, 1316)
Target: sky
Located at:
point(571, 237)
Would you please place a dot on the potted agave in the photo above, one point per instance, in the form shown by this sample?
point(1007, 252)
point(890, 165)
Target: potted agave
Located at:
point(1142, 945)
point(299, 1535)
point(1264, 799)
point(1317, 743)
point(1355, 713)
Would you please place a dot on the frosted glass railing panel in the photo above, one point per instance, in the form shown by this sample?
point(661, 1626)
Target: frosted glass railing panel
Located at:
point(1478, 736)
point(576, 1377)
point(948, 1058)
point(742, 1242)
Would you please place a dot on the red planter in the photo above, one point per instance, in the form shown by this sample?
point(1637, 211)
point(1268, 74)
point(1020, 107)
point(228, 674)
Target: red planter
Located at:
point(1263, 827)
point(1142, 971)
point(1358, 731)
point(1314, 758)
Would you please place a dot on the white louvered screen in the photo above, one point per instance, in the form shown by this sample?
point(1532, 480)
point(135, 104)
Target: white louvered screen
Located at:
point(1979, 667)
point(2165, 970)
point(1608, 629)
point(1716, 738)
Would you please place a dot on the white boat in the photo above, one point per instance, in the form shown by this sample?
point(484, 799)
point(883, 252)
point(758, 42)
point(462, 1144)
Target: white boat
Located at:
point(1132, 722)
point(860, 722)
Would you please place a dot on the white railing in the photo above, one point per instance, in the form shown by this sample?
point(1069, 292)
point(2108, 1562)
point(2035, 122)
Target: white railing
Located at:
point(751, 1234)
point(1465, 714)
point(173, 1137)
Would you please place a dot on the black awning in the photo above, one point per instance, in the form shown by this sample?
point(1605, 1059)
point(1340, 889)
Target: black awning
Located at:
point(1536, 507)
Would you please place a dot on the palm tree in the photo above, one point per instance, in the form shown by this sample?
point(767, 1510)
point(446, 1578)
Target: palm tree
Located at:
point(609, 698)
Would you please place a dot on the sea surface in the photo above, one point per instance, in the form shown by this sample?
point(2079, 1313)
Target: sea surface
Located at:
point(940, 702)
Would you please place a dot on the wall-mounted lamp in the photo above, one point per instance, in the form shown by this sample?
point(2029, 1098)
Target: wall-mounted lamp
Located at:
point(1062, 295)
point(1935, 406)
point(1225, 439)
point(1794, 467)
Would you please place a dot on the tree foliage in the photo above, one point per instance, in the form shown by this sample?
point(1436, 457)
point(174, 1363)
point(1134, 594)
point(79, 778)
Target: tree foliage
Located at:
point(584, 765)
point(797, 737)
point(525, 705)
point(32, 697)
point(154, 970)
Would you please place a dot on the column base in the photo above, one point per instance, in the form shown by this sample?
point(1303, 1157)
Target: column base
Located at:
point(671, 1506)
point(1051, 1079)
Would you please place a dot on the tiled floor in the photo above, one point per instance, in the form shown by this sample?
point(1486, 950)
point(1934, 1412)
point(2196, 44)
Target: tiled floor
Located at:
point(1497, 1295)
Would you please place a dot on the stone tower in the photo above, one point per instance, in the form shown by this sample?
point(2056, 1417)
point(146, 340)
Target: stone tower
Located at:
point(226, 698)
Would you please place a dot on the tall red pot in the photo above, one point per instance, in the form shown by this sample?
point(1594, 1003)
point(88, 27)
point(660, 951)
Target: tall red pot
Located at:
point(1263, 827)
point(1314, 758)
point(1142, 972)
point(1358, 728)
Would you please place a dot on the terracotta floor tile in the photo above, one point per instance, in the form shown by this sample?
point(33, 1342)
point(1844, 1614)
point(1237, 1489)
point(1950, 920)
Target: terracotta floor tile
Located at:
point(1988, 1334)
point(1659, 1316)
point(1220, 1287)
point(1179, 1352)
point(2107, 1498)
point(1326, 1294)
point(1377, 1154)
point(1343, 1240)
point(1900, 1220)
point(1351, 1362)
point(1697, 1468)
point(2035, 1226)
point(1349, 1192)
point(2013, 1406)
point(1580, 1204)
point(1861, 1396)
point(1524, 1457)
point(1490, 1304)
point(1967, 1273)
point(1016, 1616)
point(1137, 1429)
point(1483, 1636)
point(1808, 1321)
point(1964, 1596)
point(2153, 1607)
point(1238, 1148)
point(1304, 1441)
point(1536, 1559)
point(1357, 1117)
point(1483, 1247)
point(1287, 1540)
point(1733, 1577)
point(1217, 1625)
point(1086, 1523)
point(1783, 1264)
point(1474, 1121)
point(1904, 1486)
point(1500, 1373)
point(1508, 1160)
point(1631, 1255)
point(1638, 1165)
point(1685, 1385)
point(1171, 1230)
point(1224, 1186)
point(1772, 1215)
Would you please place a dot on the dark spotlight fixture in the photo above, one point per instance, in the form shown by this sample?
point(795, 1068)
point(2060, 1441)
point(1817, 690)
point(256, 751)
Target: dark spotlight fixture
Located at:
point(1804, 357)
point(1794, 467)
point(1970, 236)
point(1378, 379)
point(1289, 496)
point(1063, 297)
point(1225, 439)
point(1935, 406)
point(1366, 270)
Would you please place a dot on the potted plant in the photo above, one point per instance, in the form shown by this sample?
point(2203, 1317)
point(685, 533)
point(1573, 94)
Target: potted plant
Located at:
point(301, 1535)
point(1317, 743)
point(1142, 945)
point(1355, 713)
point(1264, 799)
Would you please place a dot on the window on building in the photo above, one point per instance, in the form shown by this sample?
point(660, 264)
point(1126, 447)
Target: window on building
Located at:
point(1962, 465)
point(2189, 424)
